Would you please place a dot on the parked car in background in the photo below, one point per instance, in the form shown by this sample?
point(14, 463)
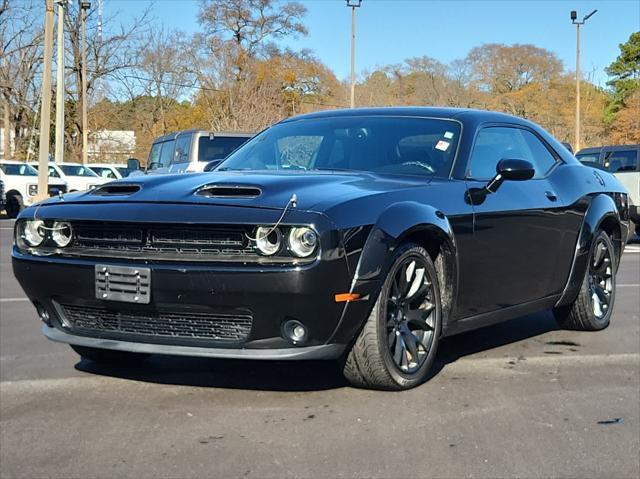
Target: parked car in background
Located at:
point(189, 151)
point(21, 186)
point(624, 162)
point(112, 171)
point(365, 235)
point(78, 177)
point(3, 197)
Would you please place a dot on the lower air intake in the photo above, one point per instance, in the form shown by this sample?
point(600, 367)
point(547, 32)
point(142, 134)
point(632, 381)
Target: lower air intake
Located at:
point(161, 324)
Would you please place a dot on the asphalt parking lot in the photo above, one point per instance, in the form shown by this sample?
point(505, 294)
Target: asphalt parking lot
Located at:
point(520, 399)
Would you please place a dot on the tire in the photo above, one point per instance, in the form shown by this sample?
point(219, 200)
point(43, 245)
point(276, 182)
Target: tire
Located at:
point(373, 361)
point(14, 205)
point(108, 356)
point(592, 308)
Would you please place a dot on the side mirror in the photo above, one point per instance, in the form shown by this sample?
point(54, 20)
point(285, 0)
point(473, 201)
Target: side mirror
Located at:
point(133, 164)
point(506, 170)
point(212, 165)
point(510, 170)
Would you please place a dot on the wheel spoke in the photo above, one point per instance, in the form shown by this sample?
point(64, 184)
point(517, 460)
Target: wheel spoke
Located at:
point(599, 252)
point(417, 285)
point(412, 346)
point(398, 350)
point(603, 268)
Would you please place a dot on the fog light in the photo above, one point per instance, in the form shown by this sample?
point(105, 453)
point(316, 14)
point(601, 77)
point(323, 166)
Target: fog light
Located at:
point(295, 332)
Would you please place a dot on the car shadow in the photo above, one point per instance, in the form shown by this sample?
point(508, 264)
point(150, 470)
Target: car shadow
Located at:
point(296, 376)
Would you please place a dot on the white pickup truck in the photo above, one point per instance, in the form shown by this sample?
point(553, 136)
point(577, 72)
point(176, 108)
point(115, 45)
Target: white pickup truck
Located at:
point(624, 162)
point(78, 177)
point(21, 186)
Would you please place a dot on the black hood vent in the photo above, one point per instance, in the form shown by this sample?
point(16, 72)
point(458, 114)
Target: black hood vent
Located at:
point(115, 189)
point(228, 191)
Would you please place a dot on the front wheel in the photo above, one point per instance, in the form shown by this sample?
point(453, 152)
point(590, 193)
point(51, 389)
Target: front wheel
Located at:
point(592, 308)
point(108, 356)
point(14, 206)
point(397, 346)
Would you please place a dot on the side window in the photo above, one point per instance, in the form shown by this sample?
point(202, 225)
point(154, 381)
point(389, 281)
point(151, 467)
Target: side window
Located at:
point(183, 146)
point(540, 156)
point(496, 143)
point(492, 145)
point(166, 155)
point(621, 160)
point(154, 156)
point(53, 173)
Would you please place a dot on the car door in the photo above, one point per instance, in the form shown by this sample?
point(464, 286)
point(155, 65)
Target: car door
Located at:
point(181, 154)
point(514, 253)
point(160, 157)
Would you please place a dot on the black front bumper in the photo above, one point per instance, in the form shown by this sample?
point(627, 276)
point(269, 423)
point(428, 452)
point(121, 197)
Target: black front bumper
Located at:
point(272, 295)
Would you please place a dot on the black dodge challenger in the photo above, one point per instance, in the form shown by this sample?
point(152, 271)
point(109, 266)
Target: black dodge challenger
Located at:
point(362, 235)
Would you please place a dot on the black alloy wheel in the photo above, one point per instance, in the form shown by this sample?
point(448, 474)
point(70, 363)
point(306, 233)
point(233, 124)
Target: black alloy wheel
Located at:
point(398, 343)
point(410, 312)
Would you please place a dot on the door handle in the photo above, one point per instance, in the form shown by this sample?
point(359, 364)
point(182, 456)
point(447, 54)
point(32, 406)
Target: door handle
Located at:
point(551, 196)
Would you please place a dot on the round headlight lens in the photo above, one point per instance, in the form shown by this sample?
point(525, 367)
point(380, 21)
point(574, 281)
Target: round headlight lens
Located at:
point(302, 241)
point(61, 233)
point(33, 232)
point(268, 240)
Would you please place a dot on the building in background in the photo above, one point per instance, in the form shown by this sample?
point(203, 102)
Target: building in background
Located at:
point(111, 146)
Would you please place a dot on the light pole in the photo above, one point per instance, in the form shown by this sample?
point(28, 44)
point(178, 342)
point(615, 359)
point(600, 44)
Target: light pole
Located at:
point(59, 150)
point(353, 4)
point(45, 107)
point(84, 6)
point(574, 17)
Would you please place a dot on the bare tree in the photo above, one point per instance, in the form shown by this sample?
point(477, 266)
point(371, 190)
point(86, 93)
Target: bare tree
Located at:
point(111, 49)
point(21, 61)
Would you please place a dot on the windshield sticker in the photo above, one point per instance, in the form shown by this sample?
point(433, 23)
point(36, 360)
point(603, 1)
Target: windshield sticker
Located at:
point(448, 135)
point(442, 145)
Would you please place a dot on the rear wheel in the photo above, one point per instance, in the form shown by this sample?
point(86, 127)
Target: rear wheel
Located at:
point(397, 346)
point(592, 308)
point(108, 355)
point(14, 205)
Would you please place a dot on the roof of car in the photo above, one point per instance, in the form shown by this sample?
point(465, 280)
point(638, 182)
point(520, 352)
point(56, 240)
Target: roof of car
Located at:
point(107, 165)
point(12, 162)
point(412, 111)
point(174, 134)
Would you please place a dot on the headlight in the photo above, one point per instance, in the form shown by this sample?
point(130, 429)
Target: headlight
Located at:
point(302, 241)
point(61, 233)
point(33, 232)
point(268, 240)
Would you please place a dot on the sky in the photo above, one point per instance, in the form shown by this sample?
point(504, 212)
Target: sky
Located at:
point(390, 31)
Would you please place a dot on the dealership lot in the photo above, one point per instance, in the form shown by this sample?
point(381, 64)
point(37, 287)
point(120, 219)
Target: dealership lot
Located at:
point(517, 399)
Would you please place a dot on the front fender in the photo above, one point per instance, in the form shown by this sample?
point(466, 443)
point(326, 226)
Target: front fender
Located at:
point(396, 223)
point(407, 220)
point(602, 213)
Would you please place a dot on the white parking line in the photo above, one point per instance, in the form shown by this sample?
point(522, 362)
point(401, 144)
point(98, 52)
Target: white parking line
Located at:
point(13, 300)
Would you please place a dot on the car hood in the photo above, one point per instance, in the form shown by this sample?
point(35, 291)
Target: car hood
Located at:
point(314, 191)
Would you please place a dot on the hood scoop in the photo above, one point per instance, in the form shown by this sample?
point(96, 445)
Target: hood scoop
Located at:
point(115, 189)
point(228, 191)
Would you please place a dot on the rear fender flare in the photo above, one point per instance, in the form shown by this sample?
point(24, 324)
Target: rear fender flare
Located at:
point(601, 211)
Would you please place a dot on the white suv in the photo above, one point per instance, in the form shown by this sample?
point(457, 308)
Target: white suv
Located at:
point(21, 186)
point(78, 177)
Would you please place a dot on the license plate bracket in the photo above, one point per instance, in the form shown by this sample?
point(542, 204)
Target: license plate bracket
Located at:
point(123, 283)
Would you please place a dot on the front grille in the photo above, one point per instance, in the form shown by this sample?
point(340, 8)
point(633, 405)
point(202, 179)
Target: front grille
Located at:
point(160, 324)
point(162, 242)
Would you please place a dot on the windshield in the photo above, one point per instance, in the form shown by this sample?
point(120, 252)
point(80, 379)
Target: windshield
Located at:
point(18, 170)
point(380, 144)
point(77, 170)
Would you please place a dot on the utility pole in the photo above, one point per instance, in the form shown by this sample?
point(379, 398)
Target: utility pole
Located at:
point(45, 107)
point(574, 16)
point(84, 6)
point(60, 86)
point(353, 4)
